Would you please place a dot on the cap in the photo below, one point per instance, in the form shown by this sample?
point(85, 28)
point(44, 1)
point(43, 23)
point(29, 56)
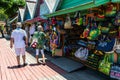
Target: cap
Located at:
point(19, 24)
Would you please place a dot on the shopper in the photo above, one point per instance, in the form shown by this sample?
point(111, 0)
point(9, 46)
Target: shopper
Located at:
point(40, 38)
point(19, 39)
point(31, 31)
point(2, 30)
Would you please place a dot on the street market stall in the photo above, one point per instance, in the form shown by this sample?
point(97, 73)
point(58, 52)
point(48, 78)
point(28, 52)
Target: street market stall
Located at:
point(91, 33)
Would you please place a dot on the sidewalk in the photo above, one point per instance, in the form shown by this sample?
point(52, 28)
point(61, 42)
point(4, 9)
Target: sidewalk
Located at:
point(8, 71)
point(38, 72)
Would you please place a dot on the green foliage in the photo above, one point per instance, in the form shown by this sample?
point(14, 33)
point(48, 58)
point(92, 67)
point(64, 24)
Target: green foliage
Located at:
point(10, 7)
point(3, 16)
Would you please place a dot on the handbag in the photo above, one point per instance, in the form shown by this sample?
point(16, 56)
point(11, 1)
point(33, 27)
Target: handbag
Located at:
point(93, 59)
point(112, 57)
point(104, 65)
point(94, 32)
point(105, 29)
point(68, 24)
point(82, 53)
point(105, 44)
point(110, 10)
point(34, 43)
point(115, 71)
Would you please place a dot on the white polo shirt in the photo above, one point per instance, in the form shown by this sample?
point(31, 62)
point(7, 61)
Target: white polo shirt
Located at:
point(18, 35)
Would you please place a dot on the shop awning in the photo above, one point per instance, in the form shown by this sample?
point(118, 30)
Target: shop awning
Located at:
point(65, 4)
point(85, 6)
point(115, 0)
point(35, 20)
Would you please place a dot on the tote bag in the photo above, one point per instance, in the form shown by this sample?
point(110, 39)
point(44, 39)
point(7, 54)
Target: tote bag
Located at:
point(104, 66)
point(68, 24)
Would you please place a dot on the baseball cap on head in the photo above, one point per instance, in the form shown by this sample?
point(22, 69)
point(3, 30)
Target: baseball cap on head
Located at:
point(19, 24)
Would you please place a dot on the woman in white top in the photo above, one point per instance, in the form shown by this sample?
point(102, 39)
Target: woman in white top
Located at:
point(31, 31)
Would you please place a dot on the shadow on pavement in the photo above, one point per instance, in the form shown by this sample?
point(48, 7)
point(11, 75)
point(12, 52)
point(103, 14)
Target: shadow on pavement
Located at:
point(13, 67)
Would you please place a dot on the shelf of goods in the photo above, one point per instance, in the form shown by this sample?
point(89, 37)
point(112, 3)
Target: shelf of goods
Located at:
point(90, 35)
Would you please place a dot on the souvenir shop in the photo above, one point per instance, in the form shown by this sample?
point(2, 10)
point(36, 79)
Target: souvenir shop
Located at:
point(92, 37)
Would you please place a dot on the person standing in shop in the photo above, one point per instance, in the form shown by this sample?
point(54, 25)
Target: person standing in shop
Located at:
point(19, 39)
point(40, 38)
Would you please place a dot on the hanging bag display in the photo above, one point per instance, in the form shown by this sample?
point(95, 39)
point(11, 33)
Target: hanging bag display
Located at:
point(94, 32)
point(68, 24)
point(111, 10)
point(104, 65)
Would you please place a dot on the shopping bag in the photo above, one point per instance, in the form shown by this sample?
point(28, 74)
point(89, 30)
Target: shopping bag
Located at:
point(68, 24)
point(104, 65)
point(82, 53)
point(34, 43)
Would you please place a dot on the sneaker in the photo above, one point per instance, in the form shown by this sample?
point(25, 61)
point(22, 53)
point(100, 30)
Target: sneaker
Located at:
point(38, 63)
point(43, 63)
point(25, 64)
point(18, 66)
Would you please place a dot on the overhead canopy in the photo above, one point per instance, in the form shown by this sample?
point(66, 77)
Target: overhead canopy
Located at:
point(52, 4)
point(71, 3)
point(84, 6)
point(29, 10)
point(115, 0)
point(21, 14)
point(35, 20)
point(44, 10)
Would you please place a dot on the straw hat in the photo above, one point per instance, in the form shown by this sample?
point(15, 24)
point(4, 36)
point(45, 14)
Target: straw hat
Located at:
point(40, 28)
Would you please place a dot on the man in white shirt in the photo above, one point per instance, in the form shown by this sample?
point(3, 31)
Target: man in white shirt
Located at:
point(19, 39)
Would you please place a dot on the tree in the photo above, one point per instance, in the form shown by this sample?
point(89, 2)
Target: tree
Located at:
point(3, 16)
point(10, 7)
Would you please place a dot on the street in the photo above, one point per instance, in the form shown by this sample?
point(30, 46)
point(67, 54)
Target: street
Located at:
point(32, 71)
